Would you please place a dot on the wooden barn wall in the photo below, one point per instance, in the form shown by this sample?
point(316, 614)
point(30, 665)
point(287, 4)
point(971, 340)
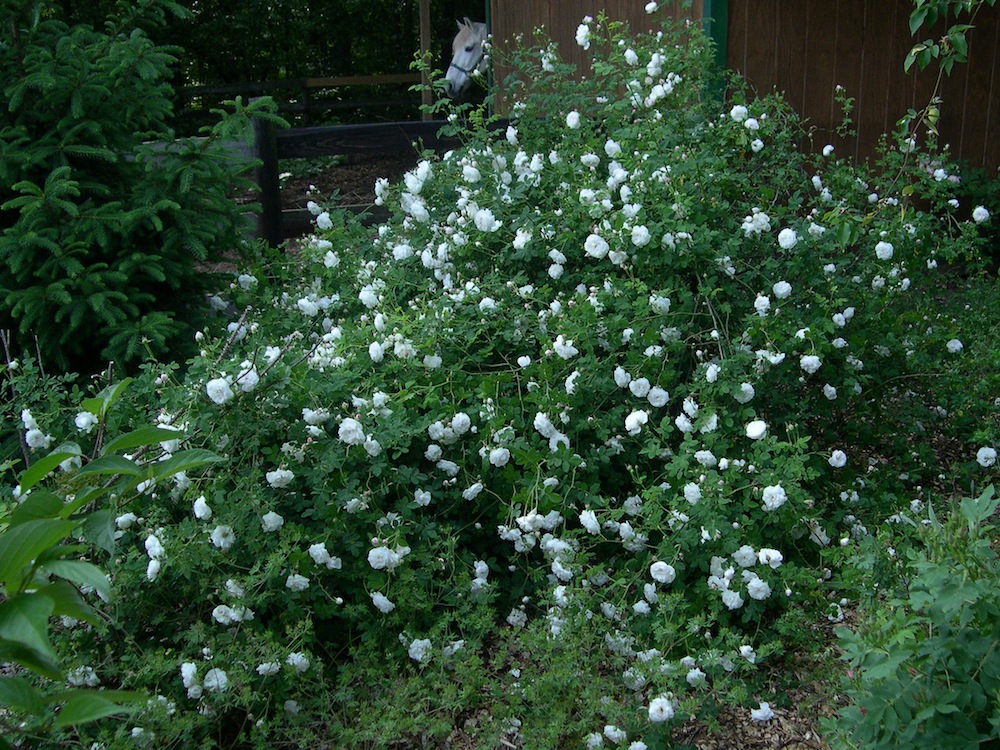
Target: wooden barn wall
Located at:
point(808, 47)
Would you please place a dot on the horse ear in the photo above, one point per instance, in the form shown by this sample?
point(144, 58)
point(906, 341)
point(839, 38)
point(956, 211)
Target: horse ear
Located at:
point(460, 24)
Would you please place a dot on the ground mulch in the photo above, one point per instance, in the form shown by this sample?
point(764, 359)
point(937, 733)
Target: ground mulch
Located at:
point(351, 182)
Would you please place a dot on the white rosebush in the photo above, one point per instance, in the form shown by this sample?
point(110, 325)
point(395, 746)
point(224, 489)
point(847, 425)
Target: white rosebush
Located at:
point(566, 385)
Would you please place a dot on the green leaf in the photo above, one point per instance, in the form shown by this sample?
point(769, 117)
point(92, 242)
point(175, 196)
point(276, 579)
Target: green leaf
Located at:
point(38, 505)
point(100, 404)
point(83, 706)
point(81, 573)
point(68, 602)
point(99, 528)
point(110, 465)
point(141, 437)
point(17, 653)
point(183, 461)
point(24, 620)
point(38, 470)
point(19, 694)
point(21, 544)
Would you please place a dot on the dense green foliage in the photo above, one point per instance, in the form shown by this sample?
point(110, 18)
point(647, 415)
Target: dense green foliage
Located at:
point(104, 234)
point(43, 575)
point(925, 666)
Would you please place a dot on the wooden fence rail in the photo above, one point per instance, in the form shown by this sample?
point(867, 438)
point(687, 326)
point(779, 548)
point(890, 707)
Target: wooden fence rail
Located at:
point(272, 145)
point(306, 100)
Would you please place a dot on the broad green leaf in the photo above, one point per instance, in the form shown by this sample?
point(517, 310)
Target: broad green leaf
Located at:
point(110, 465)
point(82, 706)
point(183, 461)
point(16, 652)
point(82, 499)
point(43, 466)
point(99, 528)
point(38, 505)
point(100, 404)
point(917, 20)
point(141, 437)
point(24, 619)
point(21, 544)
point(82, 573)
point(67, 601)
point(19, 694)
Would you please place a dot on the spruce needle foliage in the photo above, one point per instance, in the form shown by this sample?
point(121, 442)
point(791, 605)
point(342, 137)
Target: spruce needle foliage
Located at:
point(106, 221)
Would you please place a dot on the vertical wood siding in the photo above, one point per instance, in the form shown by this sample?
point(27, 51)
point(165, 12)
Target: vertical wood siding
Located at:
point(806, 48)
point(560, 18)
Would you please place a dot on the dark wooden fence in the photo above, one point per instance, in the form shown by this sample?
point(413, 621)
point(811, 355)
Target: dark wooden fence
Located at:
point(272, 145)
point(303, 98)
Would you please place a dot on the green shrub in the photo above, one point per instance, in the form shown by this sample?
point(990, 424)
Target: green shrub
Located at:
point(44, 576)
point(613, 377)
point(105, 235)
point(925, 672)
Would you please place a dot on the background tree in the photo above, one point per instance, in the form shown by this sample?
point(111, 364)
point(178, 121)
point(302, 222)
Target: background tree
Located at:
point(103, 236)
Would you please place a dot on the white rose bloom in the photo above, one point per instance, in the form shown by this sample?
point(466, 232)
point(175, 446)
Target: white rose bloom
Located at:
point(218, 390)
point(222, 537)
point(297, 660)
point(201, 510)
point(639, 387)
point(770, 557)
point(85, 421)
point(692, 493)
point(622, 378)
point(810, 363)
point(588, 519)
point(350, 432)
point(271, 521)
point(756, 429)
point(635, 421)
point(787, 239)
point(986, 456)
point(279, 478)
point(662, 572)
point(782, 289)
point(884, 250)
point(500, 457)
point(762, 304)
point(596, 246)
point(420, 650)
point(774, 497)
point(215, 680)
point(657, 396)
point(661, 709)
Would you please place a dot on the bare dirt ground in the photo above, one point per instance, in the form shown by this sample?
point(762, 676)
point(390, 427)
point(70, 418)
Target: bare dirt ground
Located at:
point(353, 180)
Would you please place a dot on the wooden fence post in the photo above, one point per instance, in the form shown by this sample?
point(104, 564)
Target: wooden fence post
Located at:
point(265, 150)
point(425, 47)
